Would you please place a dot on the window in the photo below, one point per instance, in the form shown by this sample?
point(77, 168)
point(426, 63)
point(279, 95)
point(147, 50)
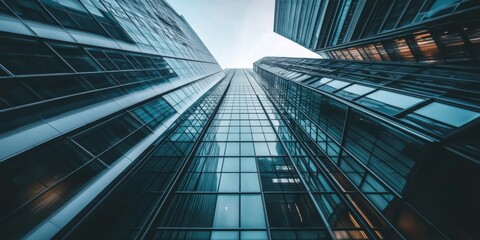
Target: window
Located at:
point(77, 57)
point(441, 118)
point(333, 85)
point(426, 46)
point(291, 210)
point(16, 52)
point(354, 91)
point(30, 10)
point(388, 102)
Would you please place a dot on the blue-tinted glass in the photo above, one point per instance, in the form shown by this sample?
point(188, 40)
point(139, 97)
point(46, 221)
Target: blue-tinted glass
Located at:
point(227, 212)
point(249, 182)
point(447, 114)
point(251, 213)
point(248, 165)
point(229, 182)
point(224, 235)
point(388, 102)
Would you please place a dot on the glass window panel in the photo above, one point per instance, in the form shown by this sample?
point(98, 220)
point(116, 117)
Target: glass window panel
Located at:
point(388, 102)
point(15, 52)
point(76, 56)
point(224, 235)
point(229, 182)
point(232, 149)
point(248, 165)
point(249, 182)
point(447, 114)
point(231, 165)
point(251, 213)
point(197, 208)
point(354, 91)
point(30, 10)
point(291, 210)
point(227, 212)
point(253, 235)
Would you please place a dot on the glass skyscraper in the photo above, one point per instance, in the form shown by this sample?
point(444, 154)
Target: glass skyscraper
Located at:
point(426, 31)
point(117, 123)
point(85, 87)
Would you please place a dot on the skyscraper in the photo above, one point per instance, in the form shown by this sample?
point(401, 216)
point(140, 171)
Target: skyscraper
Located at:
point(400, 137)
point(429, 31)
point(86, 86)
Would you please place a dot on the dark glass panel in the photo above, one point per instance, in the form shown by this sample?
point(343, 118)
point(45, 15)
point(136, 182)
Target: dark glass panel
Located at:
point(190, 210)
point(100, 80)
point(37, 210)
point(77, 57)
point(291, 210)
point(395, 13)
point(99, 138)
point(410, 13)
point(60, 13)
point(30, 10)
point(101, 14)
point(100, 56)
point(52, 87)
point(80, 15)
point(332, 117)
point(179, 234)
point(120, 60)
point(15, 93)
point(26, 175)
point(25, 56)
point(451, 45)
point(389, 153)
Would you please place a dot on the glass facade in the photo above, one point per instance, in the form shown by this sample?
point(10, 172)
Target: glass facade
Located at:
point(85, 87)
point(434, 31)
point(382, 140)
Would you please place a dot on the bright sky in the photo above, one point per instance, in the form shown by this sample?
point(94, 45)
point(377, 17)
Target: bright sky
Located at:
point(238, 32)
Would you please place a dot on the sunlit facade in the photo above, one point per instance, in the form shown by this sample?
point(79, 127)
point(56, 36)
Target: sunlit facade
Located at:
point(430, 31)
point(85, 87)
point(399, 140)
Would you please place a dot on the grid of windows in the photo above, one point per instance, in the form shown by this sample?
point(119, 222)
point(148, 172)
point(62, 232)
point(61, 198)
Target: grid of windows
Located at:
point(377, 160)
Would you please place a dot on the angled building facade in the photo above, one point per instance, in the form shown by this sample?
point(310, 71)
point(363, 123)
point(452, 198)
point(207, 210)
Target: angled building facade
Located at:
point(400, 137)
point(85, 87)
point(430, 31)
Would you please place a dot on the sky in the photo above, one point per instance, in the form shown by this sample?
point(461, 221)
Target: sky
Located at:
point(238, 32)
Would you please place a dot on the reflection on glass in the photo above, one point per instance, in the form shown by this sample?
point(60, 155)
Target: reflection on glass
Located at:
point(388, 102)
point(447, 114)
point(226, 212)
point(252, 215)
point(354, 91)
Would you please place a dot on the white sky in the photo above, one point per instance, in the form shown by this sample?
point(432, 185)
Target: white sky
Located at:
point(238, 32)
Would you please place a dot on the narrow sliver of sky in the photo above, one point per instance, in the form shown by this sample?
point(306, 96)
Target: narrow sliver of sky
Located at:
point(238, 32)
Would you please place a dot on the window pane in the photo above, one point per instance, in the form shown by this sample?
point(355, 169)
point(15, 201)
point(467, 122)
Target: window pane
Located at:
point(388, 102)
point(227, 212)
point(25, 56)
point(249, 182)
point(76, 57)
point(252, 215)
point(447, 114)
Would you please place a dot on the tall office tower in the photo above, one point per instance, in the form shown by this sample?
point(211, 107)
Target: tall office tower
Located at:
point(85, 87)
point(399, 141)
point(426, 31)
